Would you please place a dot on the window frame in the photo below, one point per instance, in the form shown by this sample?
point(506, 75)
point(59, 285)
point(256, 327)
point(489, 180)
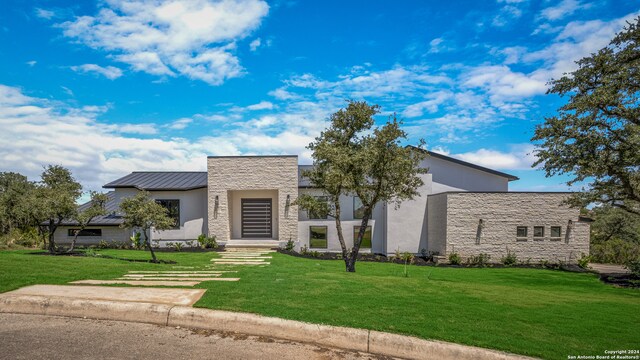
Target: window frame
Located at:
point(559, 232)
point(175, 216)
point(312, 216)
point(70, 232)
point(326, 235)
point(355, 235)
point(526, 232)
point(534, 232)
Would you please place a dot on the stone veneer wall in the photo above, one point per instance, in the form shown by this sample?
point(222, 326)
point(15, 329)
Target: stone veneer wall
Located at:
point(252, 173)
point(501, 213)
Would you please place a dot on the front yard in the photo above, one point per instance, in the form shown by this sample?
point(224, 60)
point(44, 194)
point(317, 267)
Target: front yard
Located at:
point(543, 313)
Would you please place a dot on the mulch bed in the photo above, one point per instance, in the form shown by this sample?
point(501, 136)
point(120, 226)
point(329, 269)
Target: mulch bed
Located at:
point(621, 280)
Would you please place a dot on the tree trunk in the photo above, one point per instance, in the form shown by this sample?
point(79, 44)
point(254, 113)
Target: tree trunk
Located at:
point(149, 247)
point(52, 242)
point(350, 261)
point(73, 242)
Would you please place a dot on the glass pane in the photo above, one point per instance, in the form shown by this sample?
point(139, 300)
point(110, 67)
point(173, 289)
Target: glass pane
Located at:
point(366, 239)
point(358, 209)
point(538, 231)
point(556, 231)
point(173, 210)
point(318, 237)
point(522, 231)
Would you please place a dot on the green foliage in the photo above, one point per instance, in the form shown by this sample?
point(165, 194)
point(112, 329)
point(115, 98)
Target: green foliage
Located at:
point(596, 135)
point(509, 259)
point(103, 245)
point(634, 266)
point(480, 260)
point(136, 240)
point(584, 261)
point(407, 257)
point(207, 242)
point(615, 235)
point(290, 245)
point(455, 259)
point(352, 157)
point(16, 199)
point(177, 246)
point(83, 218)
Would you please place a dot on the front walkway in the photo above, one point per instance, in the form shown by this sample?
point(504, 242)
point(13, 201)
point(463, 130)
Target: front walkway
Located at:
point(609, 268)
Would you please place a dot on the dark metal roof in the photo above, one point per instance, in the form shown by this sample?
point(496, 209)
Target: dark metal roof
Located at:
point(161, 180)
point(464, 163)
point(113, 218)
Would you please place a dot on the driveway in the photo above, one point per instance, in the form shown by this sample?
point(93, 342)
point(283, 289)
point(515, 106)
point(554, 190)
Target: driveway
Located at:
point(609, 268)
point(50, 337)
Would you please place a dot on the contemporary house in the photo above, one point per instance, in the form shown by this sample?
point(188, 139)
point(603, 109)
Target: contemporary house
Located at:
point(248, 200)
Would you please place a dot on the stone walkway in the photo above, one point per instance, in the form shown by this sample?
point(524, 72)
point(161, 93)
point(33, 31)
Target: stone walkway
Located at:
point(242, 257)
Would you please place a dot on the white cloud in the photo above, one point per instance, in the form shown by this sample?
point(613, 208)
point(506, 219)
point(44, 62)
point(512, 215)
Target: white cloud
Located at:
point(44, 14)
point(431, 105)
point(255, 44)
point(31, 63)
point(262, 105)
point(520, 157)
point(110, 72)
point(180, 124)
point(67, 90)
point(562, 10)
point(507, 14)
point(192, 38)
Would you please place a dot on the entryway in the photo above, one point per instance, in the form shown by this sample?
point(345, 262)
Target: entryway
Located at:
point(256, 218)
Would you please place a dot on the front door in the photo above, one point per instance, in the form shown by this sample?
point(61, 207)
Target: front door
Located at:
point(256, 218)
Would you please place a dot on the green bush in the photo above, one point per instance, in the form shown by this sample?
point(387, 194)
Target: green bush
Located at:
point(509, 259)
point(454, 259)
point(103, 245)
point(614, 251)
point(136, 240)
point(633, 266)
point(481, 260)
point(177, 246)
point(290, 245)
point(584, 261)
point(207, 242)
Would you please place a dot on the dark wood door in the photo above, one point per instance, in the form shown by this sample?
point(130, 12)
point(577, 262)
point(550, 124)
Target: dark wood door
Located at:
point(256, 218)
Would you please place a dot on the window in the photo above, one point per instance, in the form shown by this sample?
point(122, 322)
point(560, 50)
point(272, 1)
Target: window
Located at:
point(358, 208)
point(85, 232)
point(318, 237)
point(315, 214)
point(556, 231)
point(538, 231)
point(522, 231)
point(173, 207)
point(366, 239)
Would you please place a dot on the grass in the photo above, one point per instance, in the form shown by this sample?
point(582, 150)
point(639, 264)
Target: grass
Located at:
point(544, 313)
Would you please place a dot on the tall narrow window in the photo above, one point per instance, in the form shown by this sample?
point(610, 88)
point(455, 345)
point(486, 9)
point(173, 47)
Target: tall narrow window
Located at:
point(318, 237)
point(366, 238)
point(318, 214)
point(173, 209)
point(358, 208)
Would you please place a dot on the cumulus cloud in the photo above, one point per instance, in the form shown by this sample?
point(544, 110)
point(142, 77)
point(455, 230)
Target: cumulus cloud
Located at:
point(561, 10)
point(192, 38)
point(255, 44)
point(520, 157)
point(44, 13)
point(110, 72)
point(180, 124)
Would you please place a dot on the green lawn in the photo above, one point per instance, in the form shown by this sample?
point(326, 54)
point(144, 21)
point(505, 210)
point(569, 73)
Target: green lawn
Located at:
point(544, 313)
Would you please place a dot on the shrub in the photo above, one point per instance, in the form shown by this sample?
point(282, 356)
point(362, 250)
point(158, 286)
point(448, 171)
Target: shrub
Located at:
point(207, 242)
point(615, 251)
point(136, 240)
point(314, 254)
point(510, 259)
point(103, 245)
point(189, 243)
point(481, 260)
point(584, 261)
point(304, 250)
point(454, 259)
point(290, 245)
point(177, 246)
point(407, 257)
point(633, 266)
point(424, 253)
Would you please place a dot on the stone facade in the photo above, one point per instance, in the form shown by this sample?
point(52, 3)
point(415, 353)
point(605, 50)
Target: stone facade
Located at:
point(243, 173)
point(475, 223)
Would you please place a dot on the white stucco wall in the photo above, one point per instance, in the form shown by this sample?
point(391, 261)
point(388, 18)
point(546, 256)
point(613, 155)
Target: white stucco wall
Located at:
point(450, 176)
point(109, 234)
point(333, 243)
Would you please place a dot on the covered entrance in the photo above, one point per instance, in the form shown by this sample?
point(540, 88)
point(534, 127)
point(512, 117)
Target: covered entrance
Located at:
point(256, 218)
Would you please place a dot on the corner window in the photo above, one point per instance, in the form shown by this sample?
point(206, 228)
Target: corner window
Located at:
point(556, 231)
point(538, 231)
point(358, 208)
point(85, 232)
point(317, 215)
point(366, 239)
point(318, 237)
point(173, 208)
point(522, 231)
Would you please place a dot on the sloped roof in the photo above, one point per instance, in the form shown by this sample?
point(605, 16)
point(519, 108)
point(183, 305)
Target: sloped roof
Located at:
point(161, 180)
point(112, 217)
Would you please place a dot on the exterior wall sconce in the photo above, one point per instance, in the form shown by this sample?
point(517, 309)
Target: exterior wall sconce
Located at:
point(287, 205)
point(216, 204)
point(567, 234)
point(479, 231)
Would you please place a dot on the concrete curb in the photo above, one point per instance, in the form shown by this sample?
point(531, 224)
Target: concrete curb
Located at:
point(374, 342)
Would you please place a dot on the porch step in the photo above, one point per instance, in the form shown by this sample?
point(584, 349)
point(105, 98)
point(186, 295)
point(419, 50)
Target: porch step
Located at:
point(252, 244)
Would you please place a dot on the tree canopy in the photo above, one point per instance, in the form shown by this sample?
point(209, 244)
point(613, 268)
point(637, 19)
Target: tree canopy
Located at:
point(353, 157)
point(595, 137)
point(83, 218)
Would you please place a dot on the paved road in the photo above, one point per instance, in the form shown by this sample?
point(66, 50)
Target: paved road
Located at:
point(51, 337)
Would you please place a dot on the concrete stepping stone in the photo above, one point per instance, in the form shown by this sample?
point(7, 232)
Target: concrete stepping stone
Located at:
point(141, 276)
point(172, 279)
point(178, 272)
point(137, 282)
point(184, 297)
point(247, 257)
point(242, 263)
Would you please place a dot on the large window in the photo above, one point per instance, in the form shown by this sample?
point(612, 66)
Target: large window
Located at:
point(358, 208)
point(366, 239)
point(318, 237)
point(173, 207)
point(85, 232)
point(316, 214)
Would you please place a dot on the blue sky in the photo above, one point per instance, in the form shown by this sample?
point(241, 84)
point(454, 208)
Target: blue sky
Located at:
point(114, 86)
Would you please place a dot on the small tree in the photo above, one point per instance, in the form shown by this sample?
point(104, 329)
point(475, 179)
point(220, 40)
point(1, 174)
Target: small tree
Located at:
point(350, 159)
point(144, 213)
point(55, 199)
point(83, 218)
point(15, 209)
point(595, 137)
